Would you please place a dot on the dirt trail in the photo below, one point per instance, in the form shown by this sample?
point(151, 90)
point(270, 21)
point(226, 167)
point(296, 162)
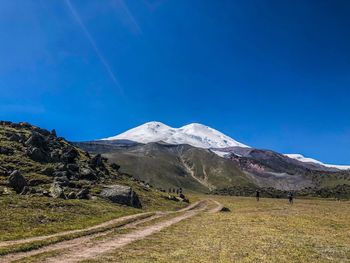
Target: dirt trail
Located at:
point(84, 248)
point(136, 220)
point(218, 207)
point(90, 251)
point(102, 225)
point(132, 218)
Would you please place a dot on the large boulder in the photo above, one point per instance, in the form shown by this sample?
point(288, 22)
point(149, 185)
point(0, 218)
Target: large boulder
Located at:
point(121, 194)
point(17, 181)
point(88, 174)
point(14, 137)
point(37, 154)
point(69, 155)
point(96, 161)
point(36, 140)
point(56, 191)
point(84, 194)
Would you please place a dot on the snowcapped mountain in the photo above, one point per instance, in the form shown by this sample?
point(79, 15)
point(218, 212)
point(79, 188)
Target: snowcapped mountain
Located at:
point(303, 159)
point(194, 134)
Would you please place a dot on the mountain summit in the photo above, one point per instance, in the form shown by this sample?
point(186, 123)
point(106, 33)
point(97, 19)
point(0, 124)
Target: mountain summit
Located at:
point(194, 134)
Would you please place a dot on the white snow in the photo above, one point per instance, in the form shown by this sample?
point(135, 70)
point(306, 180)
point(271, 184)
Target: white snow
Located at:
point(220, 153)
point(301, 158)
point(194, 134)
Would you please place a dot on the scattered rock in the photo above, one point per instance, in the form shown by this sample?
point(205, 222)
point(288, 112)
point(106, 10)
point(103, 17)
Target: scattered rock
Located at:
point(62, 180)
point(48, 171)
point(6, 151)
point(225, 209)
point(56, 191)
point(3, 172)
point(72, 195)
point(87, 173)
point(73, 167)
point(115, 167)
point(36, 140)
point(17, 181)
point(96, 161)
point(37, 154)
point(69, 155)
point(36, 182)
point(28, 190)
point(60, 174)
point(122, 195)
point(55, 155)
point(14, 137)
point(84, 194)
point(53, 133)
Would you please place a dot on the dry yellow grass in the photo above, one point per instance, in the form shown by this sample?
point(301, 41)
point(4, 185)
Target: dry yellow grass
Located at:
point(268, 231)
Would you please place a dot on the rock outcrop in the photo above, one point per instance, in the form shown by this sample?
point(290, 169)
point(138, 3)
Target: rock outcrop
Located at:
point(121, 194)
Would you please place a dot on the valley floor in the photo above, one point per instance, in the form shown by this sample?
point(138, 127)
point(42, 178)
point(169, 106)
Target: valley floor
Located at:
point(268, 231)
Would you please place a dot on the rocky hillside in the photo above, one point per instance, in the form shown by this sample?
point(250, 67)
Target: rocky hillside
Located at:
point(35, 162)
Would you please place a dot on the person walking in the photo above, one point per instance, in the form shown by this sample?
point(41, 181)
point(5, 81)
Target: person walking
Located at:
point(257, 195)
point(290, 197)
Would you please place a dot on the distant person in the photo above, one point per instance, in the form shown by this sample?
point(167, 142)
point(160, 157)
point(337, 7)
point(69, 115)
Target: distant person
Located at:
point(257, 195)
point(290, 197)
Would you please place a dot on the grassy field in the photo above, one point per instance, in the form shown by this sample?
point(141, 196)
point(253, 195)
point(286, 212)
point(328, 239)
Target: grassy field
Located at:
point(25, 216)
point(268, 231)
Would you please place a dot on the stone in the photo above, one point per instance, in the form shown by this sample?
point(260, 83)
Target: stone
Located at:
point(96, 161)
point(62, 180)
point(55, 155)
point(225, 209)
point(56, 191)
point(53, 133)
point(36, 140)
point(6, 151)
point(87, 173)
point(73, 167)
point(37, 154)
point(41, 131)
point(121, 194)
point(84, 194)
point(14, 137)
point(72, 195)
point(48, 171)
point(69, 155)
point(17, 181)
point(36, 182)
point(115, 167)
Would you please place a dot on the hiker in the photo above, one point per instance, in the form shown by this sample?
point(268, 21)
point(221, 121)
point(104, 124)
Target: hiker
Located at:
point(257, 195)
point(290, 197)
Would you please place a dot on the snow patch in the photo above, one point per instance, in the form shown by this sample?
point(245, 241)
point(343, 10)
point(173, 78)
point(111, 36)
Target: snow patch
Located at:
point(194, 134)
point(303, 159)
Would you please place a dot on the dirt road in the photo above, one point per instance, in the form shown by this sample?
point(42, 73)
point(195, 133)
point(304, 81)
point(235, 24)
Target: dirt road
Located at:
point(86, 247)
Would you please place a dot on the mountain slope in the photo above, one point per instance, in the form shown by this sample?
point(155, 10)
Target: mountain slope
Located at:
point(303, 159)
point(167, 166)
point(194, 134)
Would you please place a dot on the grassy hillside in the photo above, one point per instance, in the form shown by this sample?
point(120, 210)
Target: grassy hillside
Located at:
point(167, 166)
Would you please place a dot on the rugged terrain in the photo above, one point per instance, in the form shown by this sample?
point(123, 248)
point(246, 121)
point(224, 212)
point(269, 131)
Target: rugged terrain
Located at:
point(234, 170)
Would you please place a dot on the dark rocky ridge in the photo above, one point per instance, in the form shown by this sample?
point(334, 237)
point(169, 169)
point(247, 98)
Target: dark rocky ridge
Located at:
point(34, 161)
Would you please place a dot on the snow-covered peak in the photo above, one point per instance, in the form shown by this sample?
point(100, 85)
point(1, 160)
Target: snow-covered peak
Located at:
point(194, 134)
point(303, 159)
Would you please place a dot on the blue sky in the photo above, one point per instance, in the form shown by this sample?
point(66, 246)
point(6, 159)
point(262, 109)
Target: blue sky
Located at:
point(271, 74)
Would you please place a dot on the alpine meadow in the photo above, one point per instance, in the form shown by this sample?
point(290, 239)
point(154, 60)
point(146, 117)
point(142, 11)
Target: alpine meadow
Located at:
point(174, 131)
